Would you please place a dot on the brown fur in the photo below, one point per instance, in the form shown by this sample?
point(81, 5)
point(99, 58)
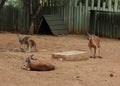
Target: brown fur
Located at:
point(31, 44)
point(94, 42)
point(41, 66)
point(22, 39)
point(27, 41)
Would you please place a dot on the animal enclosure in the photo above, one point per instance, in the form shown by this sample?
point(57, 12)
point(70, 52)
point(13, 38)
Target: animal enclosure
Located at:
point(76, 16)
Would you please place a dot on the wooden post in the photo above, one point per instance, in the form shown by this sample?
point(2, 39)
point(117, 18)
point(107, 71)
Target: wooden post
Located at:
point(71, 16)
point(115, 5)
point(92, 5)
point(80, 19)
point(75, 4)
point(104, 5)
point(75, 16)
point(110, 5)
point(86, 16)
point(98, 5)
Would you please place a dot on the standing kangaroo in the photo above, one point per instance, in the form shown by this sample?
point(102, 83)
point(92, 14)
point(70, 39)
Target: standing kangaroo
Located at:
point(31, 44)
point(27, 41)
point(94, 42)
point(22, 39)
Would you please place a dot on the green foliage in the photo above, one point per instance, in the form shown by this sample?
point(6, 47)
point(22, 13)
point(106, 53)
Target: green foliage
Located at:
point(14, 3)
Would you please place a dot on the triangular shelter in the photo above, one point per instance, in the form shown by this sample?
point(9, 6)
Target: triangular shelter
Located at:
point(52, 25)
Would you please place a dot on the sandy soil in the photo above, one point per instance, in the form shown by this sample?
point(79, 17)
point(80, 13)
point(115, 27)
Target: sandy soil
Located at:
point(92, 72)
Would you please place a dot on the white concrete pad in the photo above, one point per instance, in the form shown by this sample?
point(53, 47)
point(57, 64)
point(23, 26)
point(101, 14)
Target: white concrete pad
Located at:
point(71, 55)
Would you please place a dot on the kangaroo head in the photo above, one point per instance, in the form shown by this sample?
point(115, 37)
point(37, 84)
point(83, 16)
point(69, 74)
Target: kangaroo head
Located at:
point(29, 58)
point(89, 37)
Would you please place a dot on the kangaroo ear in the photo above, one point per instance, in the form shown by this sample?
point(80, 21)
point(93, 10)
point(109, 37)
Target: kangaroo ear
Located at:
point(18, 35)
point(89, 36)
point(33, 58)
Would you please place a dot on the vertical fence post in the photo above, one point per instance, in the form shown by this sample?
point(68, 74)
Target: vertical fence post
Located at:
point(80, 19)
point(75, 16)
point(115, 5)
point(104, 6)
point(86, 16)
point(71, 17)
point(98, 5)
point(110, 5)
point(92, 4)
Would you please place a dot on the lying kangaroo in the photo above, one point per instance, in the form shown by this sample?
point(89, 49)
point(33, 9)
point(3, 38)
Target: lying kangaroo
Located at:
point(41, 66)
point(94, 42)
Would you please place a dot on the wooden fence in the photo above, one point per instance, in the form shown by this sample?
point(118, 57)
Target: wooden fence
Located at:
point(76, 14)
point(14, 19)
point(8, 17)
point(106, 24)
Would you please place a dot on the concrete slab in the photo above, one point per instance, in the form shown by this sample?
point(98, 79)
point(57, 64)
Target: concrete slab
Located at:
point(71, 56)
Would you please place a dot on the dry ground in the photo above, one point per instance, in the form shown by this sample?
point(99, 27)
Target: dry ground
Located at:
point(92, 72)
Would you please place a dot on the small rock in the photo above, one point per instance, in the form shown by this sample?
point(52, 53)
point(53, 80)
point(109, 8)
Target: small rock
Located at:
point(77, 77)
point(111, 75)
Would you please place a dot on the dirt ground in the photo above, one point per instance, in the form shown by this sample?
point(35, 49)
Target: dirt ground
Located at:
point(92, 72)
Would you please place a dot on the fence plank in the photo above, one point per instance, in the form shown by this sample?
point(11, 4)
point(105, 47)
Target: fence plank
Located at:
point(86, 16)
point(115, 5)
point(104, 6)
point(98, 5)
point(109, 5)
point(92, 4)
point(80, 17)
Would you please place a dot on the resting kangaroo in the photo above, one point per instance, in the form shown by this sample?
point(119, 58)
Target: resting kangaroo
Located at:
point(94, 42)
point(41, 66)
